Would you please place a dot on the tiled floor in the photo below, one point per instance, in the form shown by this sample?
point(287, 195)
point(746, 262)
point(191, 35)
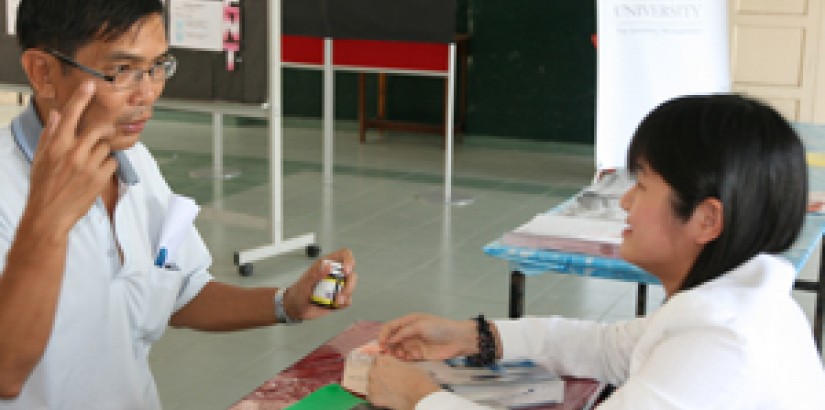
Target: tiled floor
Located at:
point(413, 254)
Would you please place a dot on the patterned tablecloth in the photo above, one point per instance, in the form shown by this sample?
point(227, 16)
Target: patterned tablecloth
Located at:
point(325, 365)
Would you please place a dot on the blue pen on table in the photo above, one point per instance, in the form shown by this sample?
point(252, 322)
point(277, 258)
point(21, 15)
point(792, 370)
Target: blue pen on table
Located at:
point(160, 261)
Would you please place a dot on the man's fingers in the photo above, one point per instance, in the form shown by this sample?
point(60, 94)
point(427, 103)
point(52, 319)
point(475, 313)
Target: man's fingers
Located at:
point(52, 119)
point(345, 297)
point(108, 168)
point(94, 136)
point(47, 135)
point(344, 257)
point(99, 154)
point(74, 108)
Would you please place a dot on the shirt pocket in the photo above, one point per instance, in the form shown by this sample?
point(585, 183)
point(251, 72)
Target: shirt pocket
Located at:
point(152, 294)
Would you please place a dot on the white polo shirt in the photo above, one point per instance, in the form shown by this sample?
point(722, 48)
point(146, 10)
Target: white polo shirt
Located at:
point(109, 313)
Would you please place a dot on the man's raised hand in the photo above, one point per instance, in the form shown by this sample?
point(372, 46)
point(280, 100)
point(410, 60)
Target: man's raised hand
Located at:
point(71, 166)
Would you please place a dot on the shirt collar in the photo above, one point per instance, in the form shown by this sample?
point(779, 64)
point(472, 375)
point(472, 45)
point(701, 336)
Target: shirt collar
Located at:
point(27, 127)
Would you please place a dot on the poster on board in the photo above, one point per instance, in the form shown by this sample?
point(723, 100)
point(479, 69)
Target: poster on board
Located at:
point(648, 52)
point(196, 24)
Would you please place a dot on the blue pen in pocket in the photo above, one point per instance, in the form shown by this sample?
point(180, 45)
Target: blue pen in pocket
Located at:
point(161, 259)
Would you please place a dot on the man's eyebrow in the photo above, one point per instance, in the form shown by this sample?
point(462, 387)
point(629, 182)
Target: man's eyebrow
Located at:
point(125, 55)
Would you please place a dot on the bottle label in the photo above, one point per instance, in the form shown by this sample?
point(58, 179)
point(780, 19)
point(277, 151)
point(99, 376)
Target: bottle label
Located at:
point(326, 291)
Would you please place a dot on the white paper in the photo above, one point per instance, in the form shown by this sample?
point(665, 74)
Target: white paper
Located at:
point(180, 214)
point(649, 52)
point(357, 367)
point(196, 24)
point(573, 227)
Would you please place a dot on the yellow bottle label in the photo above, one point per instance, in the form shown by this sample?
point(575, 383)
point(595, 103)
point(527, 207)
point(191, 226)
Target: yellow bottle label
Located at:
point(326, 291)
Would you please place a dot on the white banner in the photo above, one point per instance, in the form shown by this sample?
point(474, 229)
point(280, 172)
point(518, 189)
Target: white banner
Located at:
point(650, 51)
point(11, 15)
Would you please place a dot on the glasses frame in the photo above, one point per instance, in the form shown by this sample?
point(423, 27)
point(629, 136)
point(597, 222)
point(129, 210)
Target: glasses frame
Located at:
point(110, 78)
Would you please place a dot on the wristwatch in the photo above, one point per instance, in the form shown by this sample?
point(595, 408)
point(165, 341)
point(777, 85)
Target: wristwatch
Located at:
point(280, 311)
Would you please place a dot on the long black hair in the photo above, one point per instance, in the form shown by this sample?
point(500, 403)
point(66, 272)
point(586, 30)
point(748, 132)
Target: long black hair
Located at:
point(67, 25)
point(739, 151)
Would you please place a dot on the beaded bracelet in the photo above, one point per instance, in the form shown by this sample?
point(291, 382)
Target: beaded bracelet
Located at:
point(486, 345)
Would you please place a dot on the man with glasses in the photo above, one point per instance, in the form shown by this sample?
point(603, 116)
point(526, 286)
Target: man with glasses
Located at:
point(82, 205)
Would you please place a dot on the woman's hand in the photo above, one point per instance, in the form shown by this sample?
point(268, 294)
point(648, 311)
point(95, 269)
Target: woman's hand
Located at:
point(398, 385)
point(297, 297)
point(427, 337)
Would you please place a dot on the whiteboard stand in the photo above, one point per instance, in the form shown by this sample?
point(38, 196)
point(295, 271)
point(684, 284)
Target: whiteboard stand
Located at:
point(245, 258)
point(217, 171)
point(447, 196)
point(329, 110)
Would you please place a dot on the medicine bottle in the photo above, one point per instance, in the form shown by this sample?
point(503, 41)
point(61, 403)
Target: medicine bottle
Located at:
point(327, 289)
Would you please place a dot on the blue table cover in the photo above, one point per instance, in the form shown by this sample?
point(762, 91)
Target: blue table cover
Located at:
point(536, 261)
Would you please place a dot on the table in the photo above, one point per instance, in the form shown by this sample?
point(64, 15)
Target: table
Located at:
point(325, 365)
point(380, 122)
point(525, 262)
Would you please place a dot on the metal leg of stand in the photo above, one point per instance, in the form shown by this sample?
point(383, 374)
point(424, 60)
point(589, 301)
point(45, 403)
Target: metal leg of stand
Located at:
point(517, 281)
point(641, 299)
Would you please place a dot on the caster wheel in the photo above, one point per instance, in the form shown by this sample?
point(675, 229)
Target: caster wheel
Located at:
point(313, 251)
point(245, 269)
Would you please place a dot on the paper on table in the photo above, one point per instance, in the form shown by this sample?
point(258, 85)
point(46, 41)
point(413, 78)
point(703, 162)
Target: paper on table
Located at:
point(357, 367)
point(510, 385)
point(816, 201)
point(180, 213)
point(601, 230)
point(514, 395)
point(569, 233)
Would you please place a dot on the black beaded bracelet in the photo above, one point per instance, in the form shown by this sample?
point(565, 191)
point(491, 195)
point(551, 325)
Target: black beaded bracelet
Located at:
point(486, 345)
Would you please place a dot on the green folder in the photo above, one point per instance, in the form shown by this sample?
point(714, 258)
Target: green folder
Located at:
point(329, 397)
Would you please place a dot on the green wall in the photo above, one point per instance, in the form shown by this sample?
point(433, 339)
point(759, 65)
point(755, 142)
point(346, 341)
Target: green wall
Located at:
point(532, 74)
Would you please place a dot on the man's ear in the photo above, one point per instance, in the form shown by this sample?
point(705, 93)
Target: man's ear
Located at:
point(40, 68)
point(707, 220)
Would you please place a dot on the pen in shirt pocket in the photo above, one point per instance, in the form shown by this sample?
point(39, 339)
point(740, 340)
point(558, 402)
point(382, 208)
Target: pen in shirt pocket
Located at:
point(161, 258)
point(177, 223)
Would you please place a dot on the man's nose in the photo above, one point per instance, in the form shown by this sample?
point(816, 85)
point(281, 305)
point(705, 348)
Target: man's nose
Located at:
point(146, 91)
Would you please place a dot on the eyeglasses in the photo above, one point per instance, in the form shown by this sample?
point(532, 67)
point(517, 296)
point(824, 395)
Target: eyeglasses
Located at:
point(161, 70)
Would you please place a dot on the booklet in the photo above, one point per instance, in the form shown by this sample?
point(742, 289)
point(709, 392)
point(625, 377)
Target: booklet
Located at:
point(506, 385)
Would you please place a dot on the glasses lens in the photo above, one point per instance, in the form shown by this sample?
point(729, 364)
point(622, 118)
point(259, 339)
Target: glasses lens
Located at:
point(161, 71)
point(126, 79)
point(170, 65)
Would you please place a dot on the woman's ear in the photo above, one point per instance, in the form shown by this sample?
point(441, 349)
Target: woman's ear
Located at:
point(707, 221)
point(40, 68)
